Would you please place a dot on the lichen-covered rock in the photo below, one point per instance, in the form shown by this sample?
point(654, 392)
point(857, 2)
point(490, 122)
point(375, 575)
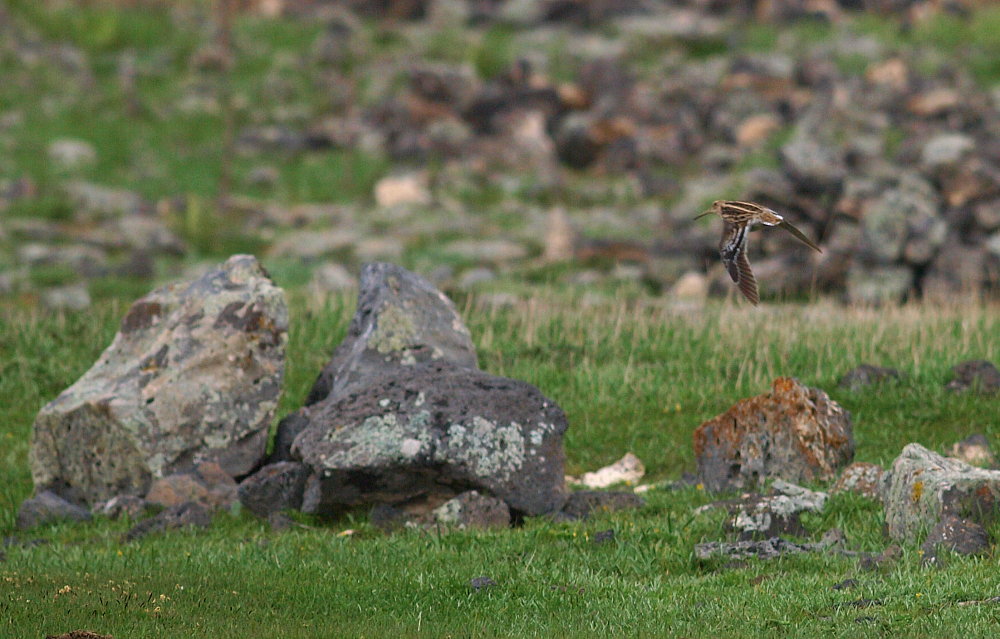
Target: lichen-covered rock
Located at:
point(922, 487)
point(435, 429)
point(764, 516)
point(794, 433)
point(194, 374)
point(860, 478)
point(401, 321)
point(274, 488)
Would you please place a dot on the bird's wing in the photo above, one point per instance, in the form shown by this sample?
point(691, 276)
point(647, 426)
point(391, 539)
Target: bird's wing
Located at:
point(799, 234)
point(747, 282)
point(732, 243)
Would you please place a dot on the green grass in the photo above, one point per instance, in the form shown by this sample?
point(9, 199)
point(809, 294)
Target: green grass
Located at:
point(632, 376)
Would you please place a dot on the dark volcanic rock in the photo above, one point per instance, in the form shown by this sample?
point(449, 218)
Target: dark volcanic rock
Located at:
point(188, 514)
point(194, 374)
point(274, 488)
point(401, 321)
point(866, 375)
point(583, 503)
point(435, 429)
point(979, 375)
point(957, 535)
point(47, 507)
point(793, 433)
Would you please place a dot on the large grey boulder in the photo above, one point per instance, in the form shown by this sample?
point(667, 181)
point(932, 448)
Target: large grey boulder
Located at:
point(923, 486)
point(194, 374)
point(434, 429)
point(402, 321)
point(794, 433)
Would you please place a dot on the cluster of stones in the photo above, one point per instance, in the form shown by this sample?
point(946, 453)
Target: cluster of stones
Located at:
point(893, 169)
point(175, 414)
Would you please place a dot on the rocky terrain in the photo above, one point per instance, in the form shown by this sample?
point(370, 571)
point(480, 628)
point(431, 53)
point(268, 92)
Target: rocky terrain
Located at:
point(485, 144)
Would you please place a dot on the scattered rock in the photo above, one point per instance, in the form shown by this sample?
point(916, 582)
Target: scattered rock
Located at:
point(604, 536)
point(481, 583)
point(473, 510)
point(946, 150)
point(128, 505)
point(974, 450)
point(629, 469)
point(47, 507)
point(756, 516)
point(396, 190)
point(922, 487)
point(401, 321)
point(845, 584)
point(314, 244)
point(331, 278)
point(274, 488)
point(766, 549)
point(430, 428)
point(878, 284)
point(979, 375)
point(584, 503)
point(66, 298)
point(794, 433)
point(72, 155)
point(208, 484)
point(79, 634)
point(194, 374)
point(888, 557)
point(486, 251)
point(866, 375)
point(861, 478)
point(188, 514)
point(560, 237)
point(958, 535)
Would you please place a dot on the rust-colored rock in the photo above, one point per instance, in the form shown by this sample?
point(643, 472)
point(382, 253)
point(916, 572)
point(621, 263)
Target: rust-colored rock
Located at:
point(794, 433)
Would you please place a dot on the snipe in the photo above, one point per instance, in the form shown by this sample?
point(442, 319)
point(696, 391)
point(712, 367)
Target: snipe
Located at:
point(738, 219)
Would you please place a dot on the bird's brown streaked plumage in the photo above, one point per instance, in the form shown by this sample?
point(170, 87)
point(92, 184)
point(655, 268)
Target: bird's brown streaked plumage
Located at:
point(738, 219)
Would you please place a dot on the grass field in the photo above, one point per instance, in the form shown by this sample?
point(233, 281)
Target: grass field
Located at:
point(632, 376)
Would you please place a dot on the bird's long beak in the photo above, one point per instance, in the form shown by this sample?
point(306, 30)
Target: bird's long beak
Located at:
point(708, 212)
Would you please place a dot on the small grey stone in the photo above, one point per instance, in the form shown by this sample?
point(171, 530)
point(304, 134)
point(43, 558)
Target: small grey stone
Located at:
point(66, 298)
point(866, 375)
point(481, 583)
point(584, 503)
point(473, 510)
point(604, 536)
point(188, 514)
point(71, 154)
point(47, 507)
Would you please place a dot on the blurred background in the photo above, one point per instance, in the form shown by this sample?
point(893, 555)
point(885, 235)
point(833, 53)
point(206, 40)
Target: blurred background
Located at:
point(496, 146)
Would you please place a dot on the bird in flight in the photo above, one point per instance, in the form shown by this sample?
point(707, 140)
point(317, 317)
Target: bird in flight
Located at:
point(738, 219)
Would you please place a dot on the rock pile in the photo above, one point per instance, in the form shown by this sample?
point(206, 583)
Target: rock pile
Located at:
point(882, 150)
